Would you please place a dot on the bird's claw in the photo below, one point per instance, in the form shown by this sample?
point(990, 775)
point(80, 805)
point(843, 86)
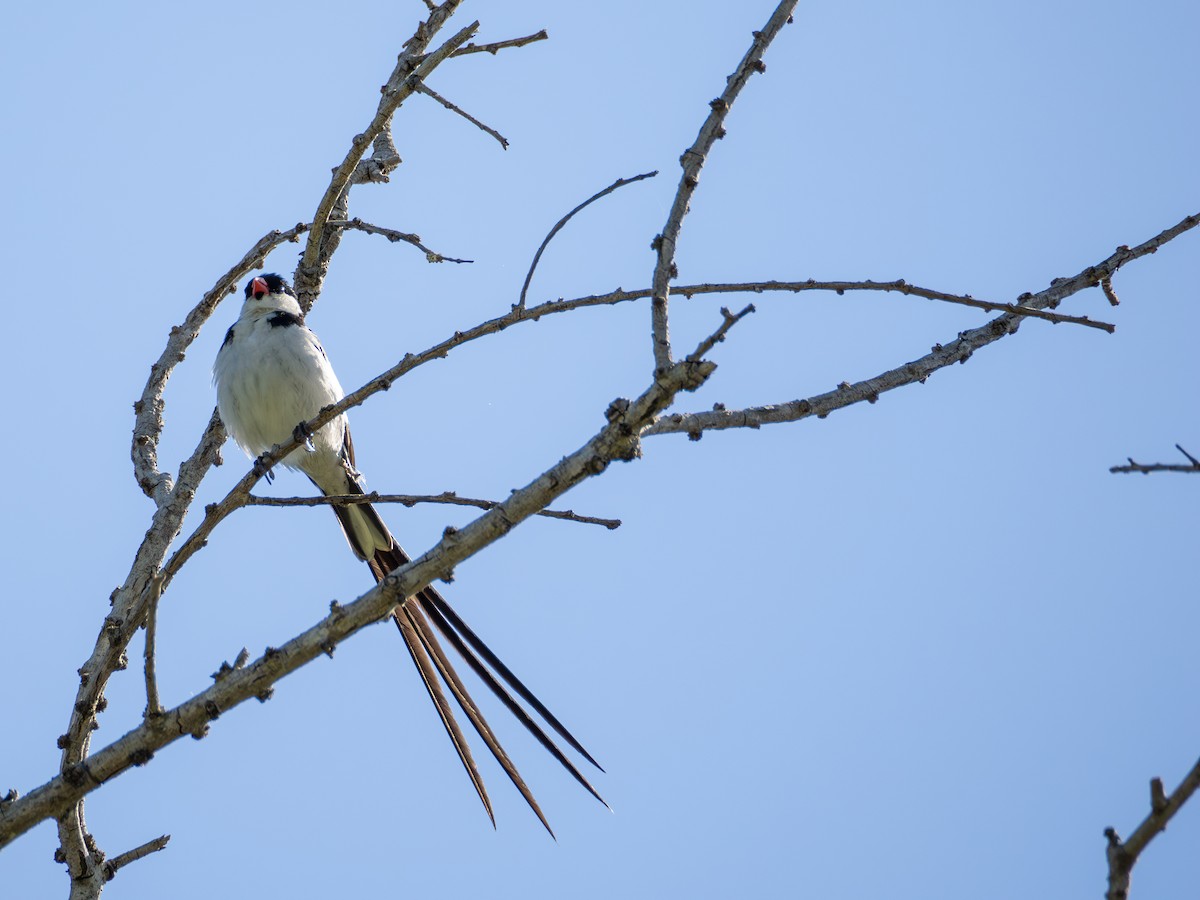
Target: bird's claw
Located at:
point(262, 469)
point(302, 434)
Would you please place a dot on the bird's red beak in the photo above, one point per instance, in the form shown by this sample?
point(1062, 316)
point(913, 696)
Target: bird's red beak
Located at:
point(258, 288)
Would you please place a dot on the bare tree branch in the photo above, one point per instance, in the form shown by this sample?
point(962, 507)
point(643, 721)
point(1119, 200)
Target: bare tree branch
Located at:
point(1193, 465)
point(1109, 293)
point(558, 226)
point(501, 45)
point(430, 92)
point(840, 287)
point(395, 237)
point(1123, 856)
point(153, 704)
point(408, 73)
point(903, 287)
point(958, 350)
point(410, 500)
point(141, 852)
point(728, 321)
point(692, 161)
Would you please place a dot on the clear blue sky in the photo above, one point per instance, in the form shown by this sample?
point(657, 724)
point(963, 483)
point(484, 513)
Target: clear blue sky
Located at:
point(928, 648)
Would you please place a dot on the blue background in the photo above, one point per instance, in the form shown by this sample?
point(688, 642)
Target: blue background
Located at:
point(927, 648)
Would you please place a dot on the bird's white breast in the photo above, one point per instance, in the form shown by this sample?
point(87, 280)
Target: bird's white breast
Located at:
point(270, 378)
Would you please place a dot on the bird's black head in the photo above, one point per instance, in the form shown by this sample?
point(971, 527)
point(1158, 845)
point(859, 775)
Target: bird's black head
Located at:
point(262, 285)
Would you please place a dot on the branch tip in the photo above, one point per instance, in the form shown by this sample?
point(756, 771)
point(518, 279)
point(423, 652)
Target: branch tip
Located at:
point(111, 866)
point(1158, 797)
point(558, 226)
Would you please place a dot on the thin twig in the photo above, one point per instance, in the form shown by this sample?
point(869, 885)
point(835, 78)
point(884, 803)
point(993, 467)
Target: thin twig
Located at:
point(1123, 856)
point(692, 161)
point(112, 865)
point(558, 226)
point(1109, 293)
point(501, 45)
point(840, 287)
point(395, 237)
point(153, 706)
point(899, 285)
point(410, 500)
point(729, 320)
point(430, 92)
point(1193, 465)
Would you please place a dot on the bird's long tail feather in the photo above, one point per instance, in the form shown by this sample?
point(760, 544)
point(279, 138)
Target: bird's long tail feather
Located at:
point(429, 676)
point(434, 612)
point(366, 534)
point(429, 642)
point(453, 622)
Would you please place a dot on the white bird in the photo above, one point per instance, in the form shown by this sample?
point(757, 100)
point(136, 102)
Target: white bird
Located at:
point(272, 375)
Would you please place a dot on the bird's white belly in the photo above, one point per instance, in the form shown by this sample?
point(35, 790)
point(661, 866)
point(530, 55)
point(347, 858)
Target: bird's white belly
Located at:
point(274, 383)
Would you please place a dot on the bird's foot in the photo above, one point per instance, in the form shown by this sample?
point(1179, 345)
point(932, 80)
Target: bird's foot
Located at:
point(262, 469)
point(302, 434)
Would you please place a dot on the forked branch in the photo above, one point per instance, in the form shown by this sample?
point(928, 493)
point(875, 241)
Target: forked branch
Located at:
point(692, 161)
point(1123, 855)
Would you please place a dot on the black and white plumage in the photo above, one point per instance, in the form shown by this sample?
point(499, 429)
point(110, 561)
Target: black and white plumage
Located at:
point(272, 375)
